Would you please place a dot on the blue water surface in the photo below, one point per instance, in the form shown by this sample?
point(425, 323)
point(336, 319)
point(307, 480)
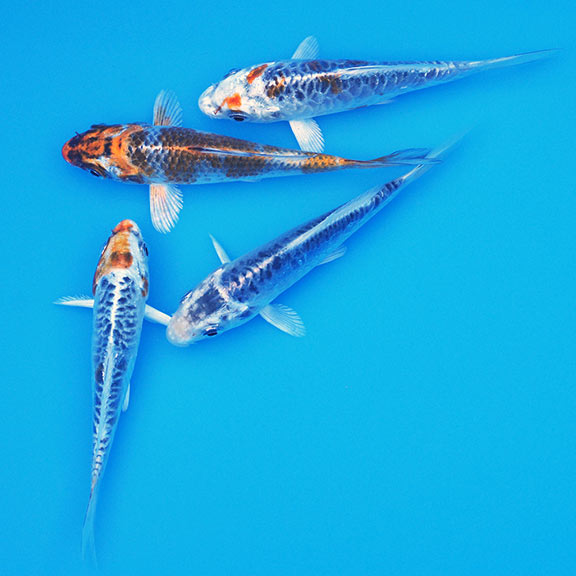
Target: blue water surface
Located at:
point(424, 426)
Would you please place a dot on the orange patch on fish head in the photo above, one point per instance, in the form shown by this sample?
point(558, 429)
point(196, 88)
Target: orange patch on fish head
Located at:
point(233, 102)
point(117, 254)
point(255, 73)
point(102, 151)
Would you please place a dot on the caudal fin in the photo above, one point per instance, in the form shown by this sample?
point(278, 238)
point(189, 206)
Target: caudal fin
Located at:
point(408, 157)
point(511, 60)
point(88, 547)
point(434, 156)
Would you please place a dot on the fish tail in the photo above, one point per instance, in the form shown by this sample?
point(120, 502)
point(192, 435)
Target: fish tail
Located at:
point(408, 157)
point(511, 60)
point(433, 157)
point(88, 546)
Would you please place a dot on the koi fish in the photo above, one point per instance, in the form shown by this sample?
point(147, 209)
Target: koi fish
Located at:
point(304, 87)
point(120, 289)
point(244, 288)
point(164, 155)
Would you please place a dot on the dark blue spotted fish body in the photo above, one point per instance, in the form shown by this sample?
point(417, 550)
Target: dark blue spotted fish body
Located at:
point(304, 87)
point(243, 288)
point(120, 292)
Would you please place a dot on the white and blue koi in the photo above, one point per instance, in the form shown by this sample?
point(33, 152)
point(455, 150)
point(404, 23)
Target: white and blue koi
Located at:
point(244, 288)
point(299, 89)
point(120, 290)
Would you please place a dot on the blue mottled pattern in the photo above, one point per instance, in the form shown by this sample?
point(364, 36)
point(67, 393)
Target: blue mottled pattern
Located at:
point(239, 290)
point(118, 315)
point(327, 86)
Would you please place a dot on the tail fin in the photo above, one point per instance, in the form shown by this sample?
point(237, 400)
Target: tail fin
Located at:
point(511, 60)
point(88, 547)
point(408, 157)
point(434, 156)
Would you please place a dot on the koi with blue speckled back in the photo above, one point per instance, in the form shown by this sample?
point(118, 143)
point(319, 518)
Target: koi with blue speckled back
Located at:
point(120, 289)
point(164, 155)
point(246, 287)
point(299, 89)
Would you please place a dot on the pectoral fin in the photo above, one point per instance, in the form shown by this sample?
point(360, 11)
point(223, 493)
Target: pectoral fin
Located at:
point(284, 318)
point(308, 134)
point(126, 399)
point(167, 109)
point(153, 315)
point(307, 49)
point(165, 204)
point(224, 258)
point(338, 253)
point(79, 301)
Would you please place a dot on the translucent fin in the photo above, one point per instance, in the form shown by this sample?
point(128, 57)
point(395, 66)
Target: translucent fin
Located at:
point(284, 318)
point(126, 399)
point(79, 301)
point(512, 60)
point(153, 315)
point(307, 49)
point(167, 109)
point(165, 204)
point(436, 154)
point(222, 254)
point(338, 253)
point(408, 157)
point(88, 546)
point(308, 134)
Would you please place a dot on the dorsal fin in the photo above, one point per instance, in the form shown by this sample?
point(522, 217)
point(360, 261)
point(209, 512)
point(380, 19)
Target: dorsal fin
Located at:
point(167, 109)
point(307, 49)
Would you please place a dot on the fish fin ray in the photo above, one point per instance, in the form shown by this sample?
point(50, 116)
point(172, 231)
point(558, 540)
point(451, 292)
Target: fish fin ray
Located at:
point(308, 134)
point(222, 254)
point(79, 301)
point(284, 318)
point(153, 315)
point(88, 545)
point(308, 49)
point(165, 204)
point(167, 109)
point(126, 399)
point(409, 157)
point(338, 253)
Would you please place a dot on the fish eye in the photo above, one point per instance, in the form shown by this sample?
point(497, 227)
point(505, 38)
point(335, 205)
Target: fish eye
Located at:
point(238, 117)
point(95, 173)
point(211, 331)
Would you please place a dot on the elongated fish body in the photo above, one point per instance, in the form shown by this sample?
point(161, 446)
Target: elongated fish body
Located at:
point(164, 154)
point(304, 87)
point(243, 288)
point(120, 291)
point(147, 154)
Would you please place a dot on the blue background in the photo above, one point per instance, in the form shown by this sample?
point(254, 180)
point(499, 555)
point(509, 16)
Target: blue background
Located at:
point(426, 423)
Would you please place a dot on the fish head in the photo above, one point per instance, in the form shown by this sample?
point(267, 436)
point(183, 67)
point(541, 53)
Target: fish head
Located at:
point(103, 150)
point(240, 95)
point(205, 312)
point(125, 252)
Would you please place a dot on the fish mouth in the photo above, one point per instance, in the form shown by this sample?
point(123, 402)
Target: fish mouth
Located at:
point(126, 226)
point(178, 332)
point(206, 103)
point(71, 153)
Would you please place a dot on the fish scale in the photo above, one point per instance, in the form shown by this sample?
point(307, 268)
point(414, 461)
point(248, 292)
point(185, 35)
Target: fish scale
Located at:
point(305, 87)
point(245, 287)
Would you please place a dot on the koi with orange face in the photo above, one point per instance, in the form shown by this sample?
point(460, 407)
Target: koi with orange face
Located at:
point(164, 155)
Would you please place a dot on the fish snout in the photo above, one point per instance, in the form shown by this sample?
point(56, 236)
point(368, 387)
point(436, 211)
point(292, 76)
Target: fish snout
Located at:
point(178, 331)
point(72, 151)
point(207, 104)
point(126, 226)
